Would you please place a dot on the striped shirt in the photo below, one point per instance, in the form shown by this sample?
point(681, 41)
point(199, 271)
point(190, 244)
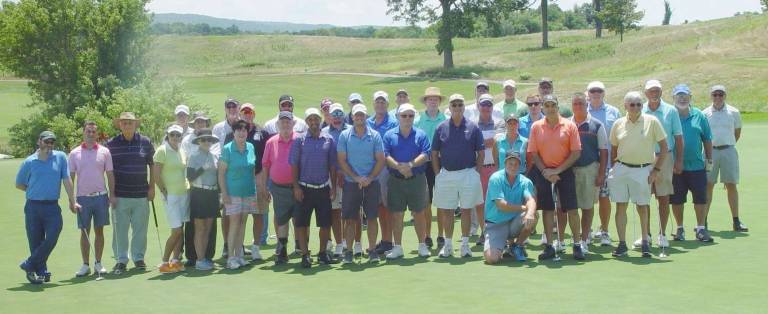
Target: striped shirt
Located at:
point(130, 160)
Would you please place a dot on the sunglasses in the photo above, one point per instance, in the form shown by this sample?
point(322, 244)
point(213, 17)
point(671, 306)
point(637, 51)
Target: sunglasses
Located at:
point(639, 105)
point(486, 104)
point(531, 104)
point(205, 140)
point(230, 105)
point(718, 95)
point(457, 105)
point(406, 116)
point(49, 142)
point(246, 111)
point(337, 114)
point(174, 135)
point(595, 91)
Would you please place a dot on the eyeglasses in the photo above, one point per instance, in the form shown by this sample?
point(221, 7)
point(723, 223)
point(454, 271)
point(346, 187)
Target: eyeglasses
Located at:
point(406, 116)
point(459, 105)
point(230, 105)
point(205, 140)
point(486, 104)
point(639, 105)
point(337, 114)
point(246, 111)
point(718, 94)
point(286, 105)
point(595, 91)
point(531, 104)
point(49, 142)
point(174, 135)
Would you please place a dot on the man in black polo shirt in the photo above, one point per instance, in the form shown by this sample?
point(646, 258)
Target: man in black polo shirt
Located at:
point(131, 155)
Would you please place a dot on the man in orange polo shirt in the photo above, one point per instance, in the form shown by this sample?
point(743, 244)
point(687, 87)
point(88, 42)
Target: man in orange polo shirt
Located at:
point(554, 145)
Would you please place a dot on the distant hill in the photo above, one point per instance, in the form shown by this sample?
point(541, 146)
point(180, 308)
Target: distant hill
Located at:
point(246, 26)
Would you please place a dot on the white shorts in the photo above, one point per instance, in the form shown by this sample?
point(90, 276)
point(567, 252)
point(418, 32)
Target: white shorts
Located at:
point(459, 188)
point(628, 184)
point(177, 210)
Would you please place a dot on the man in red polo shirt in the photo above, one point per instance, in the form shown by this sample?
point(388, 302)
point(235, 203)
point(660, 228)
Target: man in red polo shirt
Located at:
point(554, 145)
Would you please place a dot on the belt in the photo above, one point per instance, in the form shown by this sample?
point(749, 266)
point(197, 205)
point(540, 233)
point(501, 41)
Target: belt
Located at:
point(97, 193)
point(285, 186)
point(206, 187)
point(634, 165)
point(459, 169)
point(401, 177)
point(47, 202)
point(721, 147)
point(489, 165)
point(314, 186)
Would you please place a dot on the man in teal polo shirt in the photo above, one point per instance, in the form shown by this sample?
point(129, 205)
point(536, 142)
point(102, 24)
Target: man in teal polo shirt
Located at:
point(40, 177)
point(510, 211)
point(696, 133)
point(670, 121)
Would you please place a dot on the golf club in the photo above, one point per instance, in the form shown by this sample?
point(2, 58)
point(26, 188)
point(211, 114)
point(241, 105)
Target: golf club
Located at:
point(115, 241)
point(157, 230)
point(557, 223)
point(84, 230)
point(362, 217)
point(663, 248)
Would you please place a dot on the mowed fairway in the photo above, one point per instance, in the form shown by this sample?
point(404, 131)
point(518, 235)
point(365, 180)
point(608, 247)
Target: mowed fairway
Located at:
point(727, 276)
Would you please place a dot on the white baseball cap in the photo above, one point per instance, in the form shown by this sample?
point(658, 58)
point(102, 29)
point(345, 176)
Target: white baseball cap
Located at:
point(181, 108)
point(336, 107)
point(359, 108)
point(596, 85)
point(406, 107)
point(652, 84)
point(312, 112)
point(510, 83)
point(174, 128)
point(381, 94)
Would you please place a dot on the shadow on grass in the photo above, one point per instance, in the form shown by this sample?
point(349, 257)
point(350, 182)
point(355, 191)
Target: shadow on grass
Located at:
point(28, 287)
point(358, 265)
point(728, 234)
point(407, 261)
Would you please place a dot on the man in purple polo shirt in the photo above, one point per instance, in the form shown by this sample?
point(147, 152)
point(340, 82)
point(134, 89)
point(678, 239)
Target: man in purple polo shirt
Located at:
point(88, 163)
point(131, 157)
point(457, 156)
point(313, 163)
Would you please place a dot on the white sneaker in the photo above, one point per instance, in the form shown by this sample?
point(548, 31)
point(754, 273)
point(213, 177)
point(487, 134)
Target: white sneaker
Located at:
point(232, 263)
point(584, 247)
point(255, 253)
point(396, 252)
point(329, 246)
point(543, 239)
point(357, 248)
point(85, 270)
point(663, 241)
point(339, 250)
point(559, 246)
point(639, 242)
point(447, 250)
point(424, 250)
point(473, 231)
point(98, 268)
point(465, 251)
point(242, 261)
point(605, 238)
point(595, 235)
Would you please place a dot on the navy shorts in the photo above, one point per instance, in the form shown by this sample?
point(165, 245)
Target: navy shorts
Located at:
point(352, 198)
point(318, 200)
point(694, 181)
point(94, 208)
point(566, 189)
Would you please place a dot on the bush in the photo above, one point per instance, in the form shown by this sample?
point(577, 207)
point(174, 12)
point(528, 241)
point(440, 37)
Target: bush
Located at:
point(525, 76)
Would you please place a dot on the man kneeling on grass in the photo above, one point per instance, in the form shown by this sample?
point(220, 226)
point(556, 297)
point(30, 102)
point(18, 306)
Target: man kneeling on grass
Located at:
point(506, 218)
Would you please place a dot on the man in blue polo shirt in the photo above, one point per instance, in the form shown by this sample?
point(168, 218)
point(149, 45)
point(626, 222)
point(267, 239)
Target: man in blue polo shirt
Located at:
point(457, 156)
point(510, 211)
point(696, 133)
point(662, 187)
point(131, 157)
point(382, 122)
point(361, 157)
point(407, 150)
point(334, 129)
point(40, 177)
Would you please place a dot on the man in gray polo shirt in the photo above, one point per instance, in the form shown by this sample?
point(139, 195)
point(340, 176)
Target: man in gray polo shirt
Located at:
point(725, 121)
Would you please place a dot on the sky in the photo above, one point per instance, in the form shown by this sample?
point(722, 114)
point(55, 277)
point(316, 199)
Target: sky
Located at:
point(373, 12)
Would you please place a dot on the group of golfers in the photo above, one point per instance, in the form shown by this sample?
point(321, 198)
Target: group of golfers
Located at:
point(496, 165)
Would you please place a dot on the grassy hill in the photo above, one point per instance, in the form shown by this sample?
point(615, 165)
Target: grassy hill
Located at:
point(248, 26)
point(731, 51)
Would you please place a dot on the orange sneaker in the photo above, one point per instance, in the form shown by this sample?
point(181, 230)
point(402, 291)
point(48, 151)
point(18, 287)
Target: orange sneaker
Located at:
point(177, 265)
point(166, 268)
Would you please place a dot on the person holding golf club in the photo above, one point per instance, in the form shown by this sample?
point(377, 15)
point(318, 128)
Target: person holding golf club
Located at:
point(407, 150)
point(360, 153)
point(555, 146)
point(40, 177)
point(457, 156)
point(698, 137)
point(277, 169)
point(427, 121)
point(334, 129)
point(132, 157)
point(313, 164)
point(170, 177)
point(725, 121)
point(589, 169)
point(202, 175)
point(510, 211)
point(636, 166)
point(237, 184)
point(89, 163)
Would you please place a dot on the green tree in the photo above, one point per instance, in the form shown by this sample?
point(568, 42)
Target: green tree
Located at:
point(620, 16)
point(452, 17)
point(667, 13)
point(597, 4)
point(544, 24)
point(764, 5)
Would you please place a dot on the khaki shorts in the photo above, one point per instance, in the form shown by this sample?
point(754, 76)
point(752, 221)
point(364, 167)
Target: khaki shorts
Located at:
point(262, 205)
point(725, 164)
point(663, 185)
point(586, 191)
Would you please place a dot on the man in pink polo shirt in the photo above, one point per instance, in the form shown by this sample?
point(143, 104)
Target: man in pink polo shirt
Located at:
point(87, 165)
point(278, 170)
point(555, 145)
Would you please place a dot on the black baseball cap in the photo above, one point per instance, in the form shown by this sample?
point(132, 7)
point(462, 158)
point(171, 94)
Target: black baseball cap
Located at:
point(285, 98)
